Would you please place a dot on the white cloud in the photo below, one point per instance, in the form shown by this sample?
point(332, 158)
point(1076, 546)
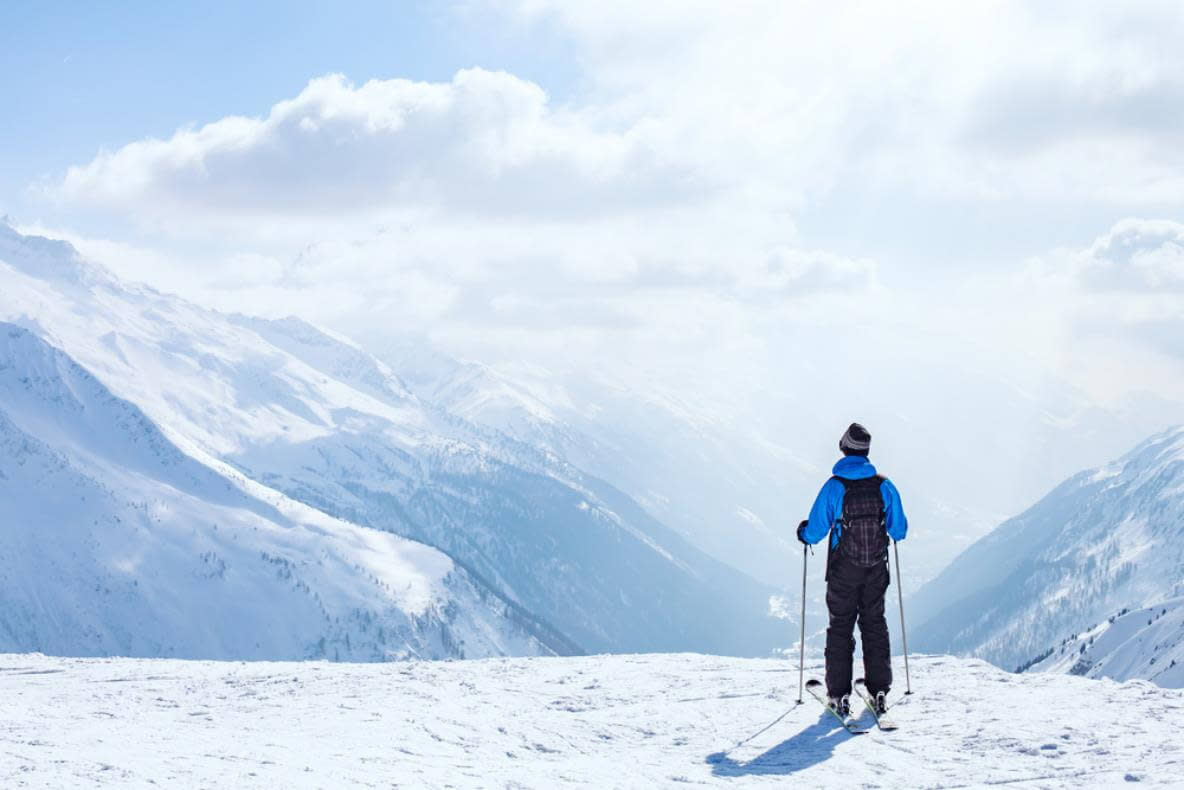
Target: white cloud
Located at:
point(1140, 255)
point(1134, 270)
point(762, 108)
point(665, 215)
point(475, 202)
point(486, 143)
point(970, 99)
point(1116, 306)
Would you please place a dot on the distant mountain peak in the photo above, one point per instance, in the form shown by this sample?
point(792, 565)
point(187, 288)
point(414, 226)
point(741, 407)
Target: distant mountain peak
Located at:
point(48, 259)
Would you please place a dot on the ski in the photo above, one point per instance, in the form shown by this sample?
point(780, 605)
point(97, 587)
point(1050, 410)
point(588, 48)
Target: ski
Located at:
point(883, 722)
point(815, 688)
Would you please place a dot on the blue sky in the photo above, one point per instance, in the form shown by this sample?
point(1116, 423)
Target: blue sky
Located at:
point(640, 186)
point(80, 77)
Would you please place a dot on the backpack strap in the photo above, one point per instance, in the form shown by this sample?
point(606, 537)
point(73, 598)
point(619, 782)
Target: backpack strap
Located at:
point(830, 544)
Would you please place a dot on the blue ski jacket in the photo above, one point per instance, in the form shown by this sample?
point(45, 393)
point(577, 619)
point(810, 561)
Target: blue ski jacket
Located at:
point(828, 507)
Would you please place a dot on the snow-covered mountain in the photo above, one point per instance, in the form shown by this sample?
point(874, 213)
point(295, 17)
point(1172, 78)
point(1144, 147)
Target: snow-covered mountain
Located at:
point(718, 479)
point(316, 418)
point(734, 466)
point(115, 542)
point(1143, 643)
point(1107, 540)
point(637, 721)
point(712, 470)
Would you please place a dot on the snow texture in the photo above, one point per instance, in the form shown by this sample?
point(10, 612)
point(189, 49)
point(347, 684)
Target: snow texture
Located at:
point(1105, 542)
point(605, 721)
point(1144, 643)
point(115, 542)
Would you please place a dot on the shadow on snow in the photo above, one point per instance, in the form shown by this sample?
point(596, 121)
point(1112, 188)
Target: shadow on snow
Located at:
point(811, 746)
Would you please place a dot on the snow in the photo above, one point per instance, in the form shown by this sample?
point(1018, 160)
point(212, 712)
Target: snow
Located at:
point(599, 721)
point(292, 413)
point(114, 541)
point(1104, 541)
point(1144, 643)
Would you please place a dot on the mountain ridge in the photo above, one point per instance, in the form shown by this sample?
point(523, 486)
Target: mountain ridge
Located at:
point(319, 420)
point(1106, 539)
point(118, 543)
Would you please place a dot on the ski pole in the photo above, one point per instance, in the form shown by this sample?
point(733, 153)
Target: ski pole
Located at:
point(903, 634)
point(802, 640)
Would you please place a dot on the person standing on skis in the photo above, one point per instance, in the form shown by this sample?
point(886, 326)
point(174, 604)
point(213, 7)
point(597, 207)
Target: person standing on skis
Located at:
point(860, 510)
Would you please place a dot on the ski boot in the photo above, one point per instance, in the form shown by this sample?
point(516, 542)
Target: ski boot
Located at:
point(840, 705)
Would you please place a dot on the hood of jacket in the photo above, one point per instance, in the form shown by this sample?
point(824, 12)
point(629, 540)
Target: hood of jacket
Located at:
point(854, 467)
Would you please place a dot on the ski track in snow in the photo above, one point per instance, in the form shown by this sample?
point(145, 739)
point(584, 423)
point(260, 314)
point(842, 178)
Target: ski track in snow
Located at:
point(599, 721)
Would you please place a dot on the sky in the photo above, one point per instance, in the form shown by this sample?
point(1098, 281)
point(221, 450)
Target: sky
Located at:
point(687, 195)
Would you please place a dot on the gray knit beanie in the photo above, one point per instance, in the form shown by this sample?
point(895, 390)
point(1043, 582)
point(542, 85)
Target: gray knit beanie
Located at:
point(856, 441)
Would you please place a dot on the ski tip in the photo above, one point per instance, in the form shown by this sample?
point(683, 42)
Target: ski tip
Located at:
point(859, 682)
point(813, 683)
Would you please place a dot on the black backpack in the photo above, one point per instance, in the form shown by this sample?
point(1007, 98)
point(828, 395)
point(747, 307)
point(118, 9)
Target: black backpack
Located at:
point(863, 540)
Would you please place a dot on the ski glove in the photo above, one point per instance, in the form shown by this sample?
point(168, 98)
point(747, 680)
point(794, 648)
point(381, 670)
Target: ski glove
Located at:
point(801, 529)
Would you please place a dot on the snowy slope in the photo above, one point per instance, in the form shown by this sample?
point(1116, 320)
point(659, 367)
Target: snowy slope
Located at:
point(315, 417)
point(1106, 540)
point(566, 545)
point(1144, 643)
point(612, 721)
point(721, 482)
point(115, 542)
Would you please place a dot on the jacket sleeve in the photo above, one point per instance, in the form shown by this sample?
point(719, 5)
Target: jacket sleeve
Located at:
point(825, 511)
point(894, 518)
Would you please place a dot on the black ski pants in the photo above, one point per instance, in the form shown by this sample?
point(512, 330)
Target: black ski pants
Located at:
point(855, 594)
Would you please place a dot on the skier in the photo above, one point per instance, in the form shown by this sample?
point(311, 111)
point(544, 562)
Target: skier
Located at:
point(861, 511)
